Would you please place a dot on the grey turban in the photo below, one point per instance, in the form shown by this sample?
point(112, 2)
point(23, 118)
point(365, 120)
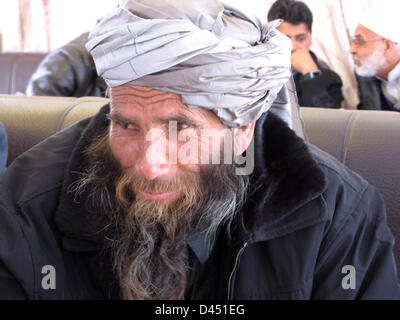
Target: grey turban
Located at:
point(212, 53)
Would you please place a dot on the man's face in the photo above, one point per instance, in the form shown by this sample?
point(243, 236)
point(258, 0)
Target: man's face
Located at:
point(150, 178)
point(299, 34)
point(368, 52)
point(142, 142)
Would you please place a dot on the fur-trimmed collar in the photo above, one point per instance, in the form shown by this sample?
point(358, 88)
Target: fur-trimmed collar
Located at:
point(285, 177)
point(283, 161)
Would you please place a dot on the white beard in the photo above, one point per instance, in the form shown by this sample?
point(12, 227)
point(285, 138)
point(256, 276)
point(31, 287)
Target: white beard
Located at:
point(370, 65)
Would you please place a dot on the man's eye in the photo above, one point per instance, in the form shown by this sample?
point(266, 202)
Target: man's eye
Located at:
point(129, 126)
point(182, 126)
point(301, 39)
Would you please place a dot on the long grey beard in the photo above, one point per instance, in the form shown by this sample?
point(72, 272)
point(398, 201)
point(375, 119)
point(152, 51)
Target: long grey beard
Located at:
point(149, 258)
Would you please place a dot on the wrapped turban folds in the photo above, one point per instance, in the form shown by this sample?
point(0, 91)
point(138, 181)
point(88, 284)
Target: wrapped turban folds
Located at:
point(212, 53)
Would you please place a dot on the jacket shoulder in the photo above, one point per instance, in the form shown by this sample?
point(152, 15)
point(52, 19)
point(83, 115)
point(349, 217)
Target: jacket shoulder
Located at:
point(335, 171)
point(29, 192)
point(349, 200)
point(356, 236)
point(344, 189)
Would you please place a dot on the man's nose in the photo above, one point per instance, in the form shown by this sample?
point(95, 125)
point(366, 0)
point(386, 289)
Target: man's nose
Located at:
point(154, 161)
point(353, 48)
point(294, 45)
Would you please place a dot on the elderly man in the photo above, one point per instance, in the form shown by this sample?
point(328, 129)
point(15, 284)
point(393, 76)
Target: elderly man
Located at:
point(375, 47)
point(316, 84)
point(186, 186)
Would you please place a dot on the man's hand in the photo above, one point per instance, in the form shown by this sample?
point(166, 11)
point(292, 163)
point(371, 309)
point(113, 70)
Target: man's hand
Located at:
point(302, 61)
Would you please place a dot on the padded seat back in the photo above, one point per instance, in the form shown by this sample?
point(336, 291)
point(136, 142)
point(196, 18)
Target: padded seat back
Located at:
point(29, 120)
point(16, 70)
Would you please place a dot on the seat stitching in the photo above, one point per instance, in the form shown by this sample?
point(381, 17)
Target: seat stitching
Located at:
point(12, 85)
point(347, 136)
point(65, 114)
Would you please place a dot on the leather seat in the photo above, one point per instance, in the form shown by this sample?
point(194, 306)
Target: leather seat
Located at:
point(16, 70)
point(29, 120)
point(366, 141)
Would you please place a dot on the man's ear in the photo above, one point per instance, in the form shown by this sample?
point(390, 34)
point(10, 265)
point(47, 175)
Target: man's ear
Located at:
point(242, 137)
point(389, 46)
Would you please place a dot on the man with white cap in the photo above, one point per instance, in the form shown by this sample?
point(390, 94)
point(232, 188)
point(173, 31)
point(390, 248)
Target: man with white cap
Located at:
point(375, 47)
point(143, 200)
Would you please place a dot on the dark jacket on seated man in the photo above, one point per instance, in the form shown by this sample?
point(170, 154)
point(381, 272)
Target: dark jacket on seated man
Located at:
point(68, 71)
point(371, 95)
point(323, 91)
point(308, 221)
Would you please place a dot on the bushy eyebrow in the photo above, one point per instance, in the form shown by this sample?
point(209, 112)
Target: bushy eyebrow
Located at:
point(359, 36)
point(116, 117)
point(301, 35)
point(178, 117)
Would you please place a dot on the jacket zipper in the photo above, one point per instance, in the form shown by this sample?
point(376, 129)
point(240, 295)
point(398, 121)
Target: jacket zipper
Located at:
point(235, 268)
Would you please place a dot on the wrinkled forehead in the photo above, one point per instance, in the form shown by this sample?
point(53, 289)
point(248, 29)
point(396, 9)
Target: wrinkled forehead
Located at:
point(293, 30)
point(364, 32)
point(152, 103)
point(145, 96)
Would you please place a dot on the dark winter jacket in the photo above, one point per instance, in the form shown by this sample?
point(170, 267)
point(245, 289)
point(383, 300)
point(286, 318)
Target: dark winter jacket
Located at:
point(371, 95)
point(307, 219)
point(323, 91)
point(67, 72)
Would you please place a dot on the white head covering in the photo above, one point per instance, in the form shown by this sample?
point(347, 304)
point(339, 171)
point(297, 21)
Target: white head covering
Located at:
point(382, 19)
point(212, 53)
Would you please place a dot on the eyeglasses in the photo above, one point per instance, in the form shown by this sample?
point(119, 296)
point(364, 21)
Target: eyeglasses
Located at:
point(358, 41)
